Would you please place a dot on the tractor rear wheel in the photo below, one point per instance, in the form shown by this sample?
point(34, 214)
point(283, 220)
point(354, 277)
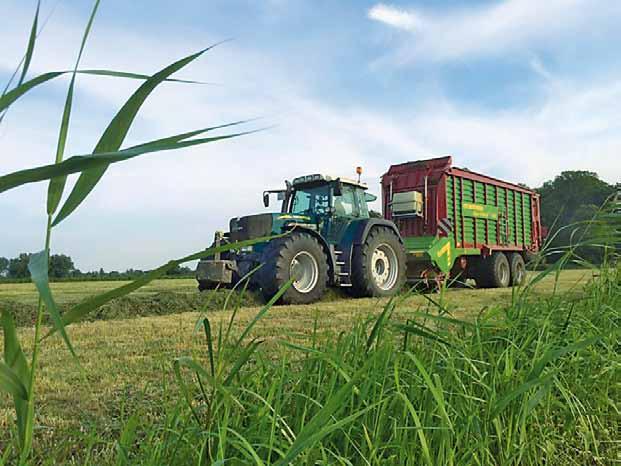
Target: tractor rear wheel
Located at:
point(518, 269)
point(300, 257)
point(494, 271)
point(378, 265)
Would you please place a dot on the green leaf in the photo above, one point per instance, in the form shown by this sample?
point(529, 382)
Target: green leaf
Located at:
point(57, 185)
point(11, 96)
point(262, 312)
point(115, 134)
point(7, 99)
point(501, 404)
point(436, 392)
point(379, 323)
point(10, 382)
point(79, 163)
point(553, 354)
point(15, 359)
point(241, 360)
point(127, 74)
point(31, 44)
point(38, 267)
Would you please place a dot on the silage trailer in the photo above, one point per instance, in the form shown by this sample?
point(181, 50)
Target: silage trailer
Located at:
point(457, 222)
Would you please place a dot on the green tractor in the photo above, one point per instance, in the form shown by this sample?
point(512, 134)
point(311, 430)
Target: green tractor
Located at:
point(332, 241)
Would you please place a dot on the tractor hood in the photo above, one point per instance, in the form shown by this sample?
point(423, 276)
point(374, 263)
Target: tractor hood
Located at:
point(256, 226)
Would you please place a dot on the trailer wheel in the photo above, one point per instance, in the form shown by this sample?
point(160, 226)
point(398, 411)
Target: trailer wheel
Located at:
point(298, 256)
point(518, 269)
point(378, 265)
point(494, 271)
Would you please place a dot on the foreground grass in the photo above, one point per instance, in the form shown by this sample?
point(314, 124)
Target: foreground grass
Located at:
point(127, 389)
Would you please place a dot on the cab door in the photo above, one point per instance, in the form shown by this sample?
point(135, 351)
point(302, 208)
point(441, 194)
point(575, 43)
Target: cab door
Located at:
point(345, 209)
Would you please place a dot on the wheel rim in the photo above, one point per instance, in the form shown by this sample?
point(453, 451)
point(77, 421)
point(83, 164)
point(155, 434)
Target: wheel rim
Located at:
point(305, 272)
point(519, 276)
point(504, 274)
point(384, 267)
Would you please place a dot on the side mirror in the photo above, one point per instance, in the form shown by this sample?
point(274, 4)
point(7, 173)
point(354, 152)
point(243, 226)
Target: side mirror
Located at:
point(338, 188)
point(266, 199)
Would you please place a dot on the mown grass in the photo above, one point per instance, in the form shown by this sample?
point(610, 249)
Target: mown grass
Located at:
point(162, 297)
point(128, 381)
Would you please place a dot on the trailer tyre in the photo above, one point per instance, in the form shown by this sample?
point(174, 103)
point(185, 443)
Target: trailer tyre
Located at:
point(518, 269)
point(494, 271)
point(298, 256)
point(378, 265)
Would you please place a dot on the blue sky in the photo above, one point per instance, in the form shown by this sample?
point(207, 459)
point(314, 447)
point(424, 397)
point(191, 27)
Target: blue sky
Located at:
point(519, 89)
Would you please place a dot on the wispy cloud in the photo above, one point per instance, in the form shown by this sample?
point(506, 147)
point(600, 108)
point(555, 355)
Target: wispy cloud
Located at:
point(499, 28)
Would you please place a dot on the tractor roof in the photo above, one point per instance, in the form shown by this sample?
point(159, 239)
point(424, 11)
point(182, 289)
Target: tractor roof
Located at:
point(318, 178)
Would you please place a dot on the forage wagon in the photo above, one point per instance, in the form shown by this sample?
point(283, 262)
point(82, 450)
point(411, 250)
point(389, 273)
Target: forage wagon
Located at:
point(439, 223)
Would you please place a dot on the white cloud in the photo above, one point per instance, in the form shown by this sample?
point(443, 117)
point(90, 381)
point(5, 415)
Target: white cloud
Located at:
point(395, 17)
point(500, 28)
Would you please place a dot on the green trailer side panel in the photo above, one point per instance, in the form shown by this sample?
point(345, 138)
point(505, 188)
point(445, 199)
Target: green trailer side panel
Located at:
point(484, 213)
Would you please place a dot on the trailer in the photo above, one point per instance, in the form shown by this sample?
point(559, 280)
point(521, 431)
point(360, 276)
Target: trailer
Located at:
point(461, 224)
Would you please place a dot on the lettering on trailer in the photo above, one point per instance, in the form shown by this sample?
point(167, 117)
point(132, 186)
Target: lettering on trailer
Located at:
point(470, 209)
point(446, 226)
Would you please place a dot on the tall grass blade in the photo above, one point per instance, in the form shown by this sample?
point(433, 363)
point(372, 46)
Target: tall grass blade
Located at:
point(115, 134)
point(316, 428)
point(7, 99)
point(57, 185)
point(11, 383)
point(263, 311)
point(90, 304)
point(31, 44)
point(15, 359)
point(79, 163)
point(38, 267)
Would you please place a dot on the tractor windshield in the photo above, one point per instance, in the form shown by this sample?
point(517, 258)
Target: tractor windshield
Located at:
point(312, 200)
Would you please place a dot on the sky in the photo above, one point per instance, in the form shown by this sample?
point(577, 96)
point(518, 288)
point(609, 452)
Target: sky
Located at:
point(517, 89)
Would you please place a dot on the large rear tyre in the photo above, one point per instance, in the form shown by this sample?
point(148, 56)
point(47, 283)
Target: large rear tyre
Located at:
point(378, 265)
point(494, 271)
point(518, 269)
point(298, 256)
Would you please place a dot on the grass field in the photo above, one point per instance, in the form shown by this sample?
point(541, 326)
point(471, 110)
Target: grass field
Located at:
point(126, 363)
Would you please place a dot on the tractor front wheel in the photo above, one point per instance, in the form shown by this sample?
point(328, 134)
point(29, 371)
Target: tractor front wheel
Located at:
point(299, 257)
point(378, 265)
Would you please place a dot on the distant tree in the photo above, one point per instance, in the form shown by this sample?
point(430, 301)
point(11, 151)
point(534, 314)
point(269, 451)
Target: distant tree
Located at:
point(4, 266)
point(60, 266)
point(179, 271)
point(18, 266)
point(572, 197)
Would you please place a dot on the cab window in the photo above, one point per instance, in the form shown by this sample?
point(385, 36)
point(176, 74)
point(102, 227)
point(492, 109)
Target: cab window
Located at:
point(362, 202)
point(346, 205)
point(307, 201)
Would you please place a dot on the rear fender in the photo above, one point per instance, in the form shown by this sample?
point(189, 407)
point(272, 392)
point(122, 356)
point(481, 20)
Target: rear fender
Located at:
point(364, 228)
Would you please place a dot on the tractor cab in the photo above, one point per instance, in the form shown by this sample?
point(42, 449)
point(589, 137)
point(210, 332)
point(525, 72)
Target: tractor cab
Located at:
point(320, 197)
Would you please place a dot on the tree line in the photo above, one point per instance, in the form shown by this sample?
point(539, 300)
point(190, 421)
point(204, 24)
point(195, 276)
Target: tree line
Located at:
point(61, 266)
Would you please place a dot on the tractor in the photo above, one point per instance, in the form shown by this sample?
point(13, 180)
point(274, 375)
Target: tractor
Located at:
point(326, 237)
